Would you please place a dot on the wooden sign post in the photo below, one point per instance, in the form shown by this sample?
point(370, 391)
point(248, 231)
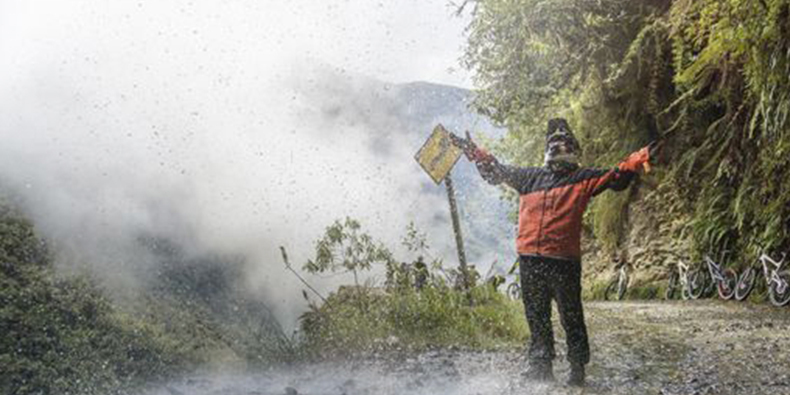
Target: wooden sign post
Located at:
point(437, 157)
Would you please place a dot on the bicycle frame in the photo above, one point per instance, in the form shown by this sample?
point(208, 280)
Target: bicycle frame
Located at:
point(770, 274)
point(623, 272)
point(679, 279)
point(683, 270)
point(622, 276)
point(714, 269)
point(619, 282)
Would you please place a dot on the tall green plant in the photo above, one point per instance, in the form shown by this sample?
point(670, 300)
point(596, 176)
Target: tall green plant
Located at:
point(345, 247)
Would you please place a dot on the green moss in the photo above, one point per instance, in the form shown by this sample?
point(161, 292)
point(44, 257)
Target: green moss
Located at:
point(595, 290)
point(610, 215)
point(646, 291)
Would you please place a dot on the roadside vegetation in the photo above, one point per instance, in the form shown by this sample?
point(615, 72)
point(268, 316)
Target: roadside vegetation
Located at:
point(710, 78)
point(419, 305)
point(368, 320)
point(66, 335)
point(62, 336)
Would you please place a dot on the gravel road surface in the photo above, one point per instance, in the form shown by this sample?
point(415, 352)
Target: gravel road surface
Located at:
point(700, 347)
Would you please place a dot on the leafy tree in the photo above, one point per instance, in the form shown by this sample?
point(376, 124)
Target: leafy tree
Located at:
point(526, 52)
point(414, 240)
point(346, 248)
point(710, 77)
point(63, 336)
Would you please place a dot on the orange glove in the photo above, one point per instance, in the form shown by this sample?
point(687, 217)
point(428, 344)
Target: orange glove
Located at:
point(637, 160)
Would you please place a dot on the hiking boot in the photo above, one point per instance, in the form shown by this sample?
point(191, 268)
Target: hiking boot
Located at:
point(539, 371)
point(576, 378)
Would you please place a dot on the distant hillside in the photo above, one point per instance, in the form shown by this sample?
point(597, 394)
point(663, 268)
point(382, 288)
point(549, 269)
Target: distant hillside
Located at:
point(488, 233)
point(398, 118)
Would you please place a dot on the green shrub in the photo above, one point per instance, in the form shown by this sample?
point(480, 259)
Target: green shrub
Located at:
point(646, 291)
point(62, 336)
point(595, 290)
point(437, 316)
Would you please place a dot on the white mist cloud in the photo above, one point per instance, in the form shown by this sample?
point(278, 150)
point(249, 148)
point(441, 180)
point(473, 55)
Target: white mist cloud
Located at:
point(198, 120)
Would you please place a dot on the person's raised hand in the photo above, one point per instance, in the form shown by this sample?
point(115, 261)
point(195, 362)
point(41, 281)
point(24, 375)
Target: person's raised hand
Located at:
point(475, 153)
point(469, 147)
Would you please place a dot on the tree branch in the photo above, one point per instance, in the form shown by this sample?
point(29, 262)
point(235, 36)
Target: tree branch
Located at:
point(288, 266)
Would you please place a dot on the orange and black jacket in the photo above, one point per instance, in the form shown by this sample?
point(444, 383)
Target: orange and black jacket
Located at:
point(551, 205)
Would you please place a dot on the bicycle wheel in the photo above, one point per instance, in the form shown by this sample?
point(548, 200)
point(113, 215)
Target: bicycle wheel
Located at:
point(514, 291)
point(672, 286)
point(746, 282)
point(779, 294)
point(727, 287)
point(685, 292)
point(611, 290)
point(697, 284)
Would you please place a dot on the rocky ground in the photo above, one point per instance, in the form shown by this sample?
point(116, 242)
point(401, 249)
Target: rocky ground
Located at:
point(701, 347)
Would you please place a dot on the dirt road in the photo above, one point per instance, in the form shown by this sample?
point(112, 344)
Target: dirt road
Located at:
point(702, 347)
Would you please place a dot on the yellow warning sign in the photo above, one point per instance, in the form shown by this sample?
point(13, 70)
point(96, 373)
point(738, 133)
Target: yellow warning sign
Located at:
point(438, 155)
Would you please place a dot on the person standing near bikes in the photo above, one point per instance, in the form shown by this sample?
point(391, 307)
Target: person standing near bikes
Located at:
point(552, 202)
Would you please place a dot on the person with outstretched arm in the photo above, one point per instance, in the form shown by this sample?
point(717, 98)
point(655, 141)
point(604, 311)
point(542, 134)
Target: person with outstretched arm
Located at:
point(552, 203)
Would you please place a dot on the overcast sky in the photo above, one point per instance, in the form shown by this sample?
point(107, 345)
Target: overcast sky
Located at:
point(393, 40)
point(198, 120)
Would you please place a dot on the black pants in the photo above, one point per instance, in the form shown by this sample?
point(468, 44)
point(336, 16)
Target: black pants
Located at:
point(543, 279)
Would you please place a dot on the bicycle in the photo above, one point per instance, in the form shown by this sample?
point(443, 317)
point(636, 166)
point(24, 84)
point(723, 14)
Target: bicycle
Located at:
point(619, 284)
point(725, 280)
point(678, 279)
point(776, 280)
point(513, 289)
point(701, 284)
